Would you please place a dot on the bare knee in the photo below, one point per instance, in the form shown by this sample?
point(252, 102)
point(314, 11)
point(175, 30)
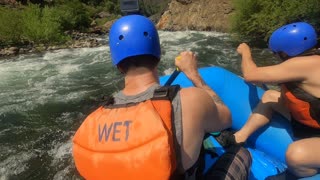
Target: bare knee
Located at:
point(298, 161)
point(270, 96)
point(294, 155)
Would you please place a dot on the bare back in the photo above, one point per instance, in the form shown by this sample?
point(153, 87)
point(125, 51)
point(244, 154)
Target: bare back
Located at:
point(312, 83)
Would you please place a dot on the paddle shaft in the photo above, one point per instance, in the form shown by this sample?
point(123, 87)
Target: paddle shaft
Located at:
point(174, 74)
point(172, 77)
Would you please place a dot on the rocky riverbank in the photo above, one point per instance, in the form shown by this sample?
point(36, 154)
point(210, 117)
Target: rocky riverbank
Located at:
point(78, 40)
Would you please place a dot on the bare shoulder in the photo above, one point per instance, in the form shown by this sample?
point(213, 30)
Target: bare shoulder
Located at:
point(203, 112)
point(304, 60)
point(198, 100)
point(193, 90)
point(305, 65)
point(197, 106)
point(195, 94)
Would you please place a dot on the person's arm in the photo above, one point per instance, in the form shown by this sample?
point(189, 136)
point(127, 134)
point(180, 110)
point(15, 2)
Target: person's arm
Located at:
point(248, 66)
point(294, 69)
point(187, 63)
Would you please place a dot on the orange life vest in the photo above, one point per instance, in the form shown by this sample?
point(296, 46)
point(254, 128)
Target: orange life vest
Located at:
point(130, 141)
point(303, 107)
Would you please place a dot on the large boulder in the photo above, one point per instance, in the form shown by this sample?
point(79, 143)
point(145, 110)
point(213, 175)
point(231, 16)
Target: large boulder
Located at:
point(201, 15)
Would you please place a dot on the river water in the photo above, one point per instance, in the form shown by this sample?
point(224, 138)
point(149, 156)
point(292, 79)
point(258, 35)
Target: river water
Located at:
point(45, 97)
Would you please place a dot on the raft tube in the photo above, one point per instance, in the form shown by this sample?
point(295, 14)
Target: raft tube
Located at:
point(268, 145)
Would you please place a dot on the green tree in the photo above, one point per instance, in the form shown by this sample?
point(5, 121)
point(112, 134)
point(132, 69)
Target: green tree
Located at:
point(40, 25)
point(30, 24)
point(10, 29)
point(257, 19)
point(73, 15)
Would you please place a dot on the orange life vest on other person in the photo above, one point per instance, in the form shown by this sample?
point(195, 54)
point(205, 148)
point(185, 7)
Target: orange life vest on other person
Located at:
point(131, 141)
point(303, 107)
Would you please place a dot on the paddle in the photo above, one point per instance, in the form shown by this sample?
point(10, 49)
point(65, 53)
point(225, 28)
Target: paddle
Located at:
point(173, 75)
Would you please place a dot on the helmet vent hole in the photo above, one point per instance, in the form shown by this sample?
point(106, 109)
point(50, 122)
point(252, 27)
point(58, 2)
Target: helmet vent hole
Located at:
point(305, 38)
point(294, 25)
point(145, 34)
point(121, 37)
point(284, 29)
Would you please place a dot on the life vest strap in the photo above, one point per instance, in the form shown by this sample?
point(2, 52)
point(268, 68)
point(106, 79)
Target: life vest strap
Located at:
point(161, 101)
point(166, 92)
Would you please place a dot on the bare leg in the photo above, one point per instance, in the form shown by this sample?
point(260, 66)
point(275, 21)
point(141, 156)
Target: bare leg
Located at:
point(270, 101)
point(303, 157)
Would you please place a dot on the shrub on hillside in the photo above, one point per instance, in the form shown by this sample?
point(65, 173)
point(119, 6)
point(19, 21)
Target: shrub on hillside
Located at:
point(40, 25)
point(73, 15)
point(257, 19)
point(29, 24)
point(10, 29)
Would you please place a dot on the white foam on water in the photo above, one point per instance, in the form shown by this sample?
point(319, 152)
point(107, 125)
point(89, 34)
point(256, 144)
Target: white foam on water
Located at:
point(15, 164)
point(60, 151)
point(177, 35)
point(63, 152)
point(175, 42)
point(65, 174)
point(171, 36)
point(67, 68)
point(169, 71)
point(74, 95)
point(103, 56)
point(4, 131)
point(56, 54)
point(62, 53)
point(36, 79)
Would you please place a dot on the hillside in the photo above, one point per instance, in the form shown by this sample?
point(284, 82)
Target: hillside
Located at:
point(205, 15)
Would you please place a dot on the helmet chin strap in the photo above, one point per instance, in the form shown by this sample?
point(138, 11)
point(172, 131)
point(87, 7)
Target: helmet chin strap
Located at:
point(283, 56)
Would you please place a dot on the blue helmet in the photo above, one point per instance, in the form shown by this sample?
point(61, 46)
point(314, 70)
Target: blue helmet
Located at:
point(131, 36)
point(293, 39)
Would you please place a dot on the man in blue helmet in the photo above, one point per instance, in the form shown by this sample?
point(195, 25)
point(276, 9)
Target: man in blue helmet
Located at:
point(146, 131)
point(299, 99)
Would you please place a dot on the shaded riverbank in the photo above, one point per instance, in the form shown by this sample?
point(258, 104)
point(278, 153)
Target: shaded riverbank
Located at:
point(77, 40)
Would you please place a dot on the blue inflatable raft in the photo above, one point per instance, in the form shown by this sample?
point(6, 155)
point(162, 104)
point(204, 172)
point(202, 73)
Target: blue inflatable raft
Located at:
point(268, 145)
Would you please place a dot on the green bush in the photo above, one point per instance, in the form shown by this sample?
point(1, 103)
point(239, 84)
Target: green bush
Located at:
point(112, 7)
point(10, 28)
point(257, 19)
point(41, 25)
point(29, 24)
point(92, 2)
point(73, 15)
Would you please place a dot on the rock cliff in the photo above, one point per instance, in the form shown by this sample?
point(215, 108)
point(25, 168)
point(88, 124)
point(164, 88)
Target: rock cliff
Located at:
point(202, 15)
